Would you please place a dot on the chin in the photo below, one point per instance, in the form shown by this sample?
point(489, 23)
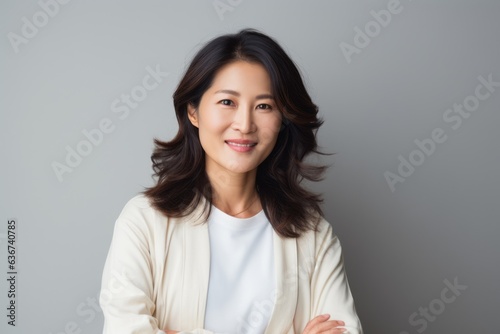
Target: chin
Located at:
point(241, 169)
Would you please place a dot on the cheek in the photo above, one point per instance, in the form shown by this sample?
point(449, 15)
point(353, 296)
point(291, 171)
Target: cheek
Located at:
point(211, 130)
point(271, 128)
point(211, 123)
point(217, 120)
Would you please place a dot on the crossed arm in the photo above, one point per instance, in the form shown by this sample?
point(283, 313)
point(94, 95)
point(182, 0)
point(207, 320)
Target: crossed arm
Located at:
point(317, 325)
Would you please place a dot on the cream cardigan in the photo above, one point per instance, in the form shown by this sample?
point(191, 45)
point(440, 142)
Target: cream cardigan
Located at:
point(157, 269)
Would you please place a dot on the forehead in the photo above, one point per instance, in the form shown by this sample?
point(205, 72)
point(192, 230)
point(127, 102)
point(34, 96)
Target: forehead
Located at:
point(244, 76)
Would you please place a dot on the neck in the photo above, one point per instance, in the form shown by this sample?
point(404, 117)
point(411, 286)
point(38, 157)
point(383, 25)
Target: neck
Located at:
point(235, 193)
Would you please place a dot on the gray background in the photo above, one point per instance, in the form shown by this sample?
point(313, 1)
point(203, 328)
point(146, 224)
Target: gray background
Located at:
point(441, 223)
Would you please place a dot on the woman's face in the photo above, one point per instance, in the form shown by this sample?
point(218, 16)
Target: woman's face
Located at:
point(237, 118)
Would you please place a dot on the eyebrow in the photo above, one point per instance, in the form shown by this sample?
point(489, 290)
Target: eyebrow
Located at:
point(235, 93)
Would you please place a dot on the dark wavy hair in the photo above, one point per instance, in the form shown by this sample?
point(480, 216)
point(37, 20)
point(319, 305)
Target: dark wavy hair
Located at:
point(179, 164)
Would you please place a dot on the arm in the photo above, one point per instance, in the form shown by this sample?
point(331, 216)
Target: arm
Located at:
point(127, 292)
point(330, 292)
point(126, 296)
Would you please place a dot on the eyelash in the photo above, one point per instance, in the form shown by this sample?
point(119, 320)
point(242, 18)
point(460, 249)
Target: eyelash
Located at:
point(268, 106)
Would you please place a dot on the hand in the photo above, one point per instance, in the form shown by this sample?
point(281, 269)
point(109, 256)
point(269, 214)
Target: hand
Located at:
point(320, 324)
point(168, 331)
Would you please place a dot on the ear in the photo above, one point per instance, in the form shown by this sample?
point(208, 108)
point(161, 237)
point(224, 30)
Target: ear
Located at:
point(192, 114)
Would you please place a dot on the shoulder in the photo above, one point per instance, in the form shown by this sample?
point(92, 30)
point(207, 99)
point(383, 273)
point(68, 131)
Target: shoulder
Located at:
point(137, 205)
point(139, 201)
point(326, 237)
point(138, 214)
point(323, 237)
point(323, 229)
point(139, 210)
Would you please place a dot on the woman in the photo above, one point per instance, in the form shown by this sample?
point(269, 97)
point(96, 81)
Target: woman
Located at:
point(228, 241)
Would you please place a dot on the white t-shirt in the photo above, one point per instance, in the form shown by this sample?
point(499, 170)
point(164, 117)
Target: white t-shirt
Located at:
point(242, 280)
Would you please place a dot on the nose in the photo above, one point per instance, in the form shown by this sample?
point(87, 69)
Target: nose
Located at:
point(243, 120)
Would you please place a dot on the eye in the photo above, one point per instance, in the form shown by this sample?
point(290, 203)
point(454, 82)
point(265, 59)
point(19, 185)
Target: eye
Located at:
point(264, 106)
point(226, 102)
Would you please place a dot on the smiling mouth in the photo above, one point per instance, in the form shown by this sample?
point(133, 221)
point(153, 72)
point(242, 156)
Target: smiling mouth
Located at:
point(240, 144)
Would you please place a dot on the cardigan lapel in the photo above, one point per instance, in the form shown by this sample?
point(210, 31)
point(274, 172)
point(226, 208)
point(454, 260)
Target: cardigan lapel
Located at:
point(285, 263)
point(196, 262)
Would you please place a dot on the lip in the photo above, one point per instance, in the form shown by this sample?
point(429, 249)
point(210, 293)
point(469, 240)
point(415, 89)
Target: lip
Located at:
point(241, 145)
